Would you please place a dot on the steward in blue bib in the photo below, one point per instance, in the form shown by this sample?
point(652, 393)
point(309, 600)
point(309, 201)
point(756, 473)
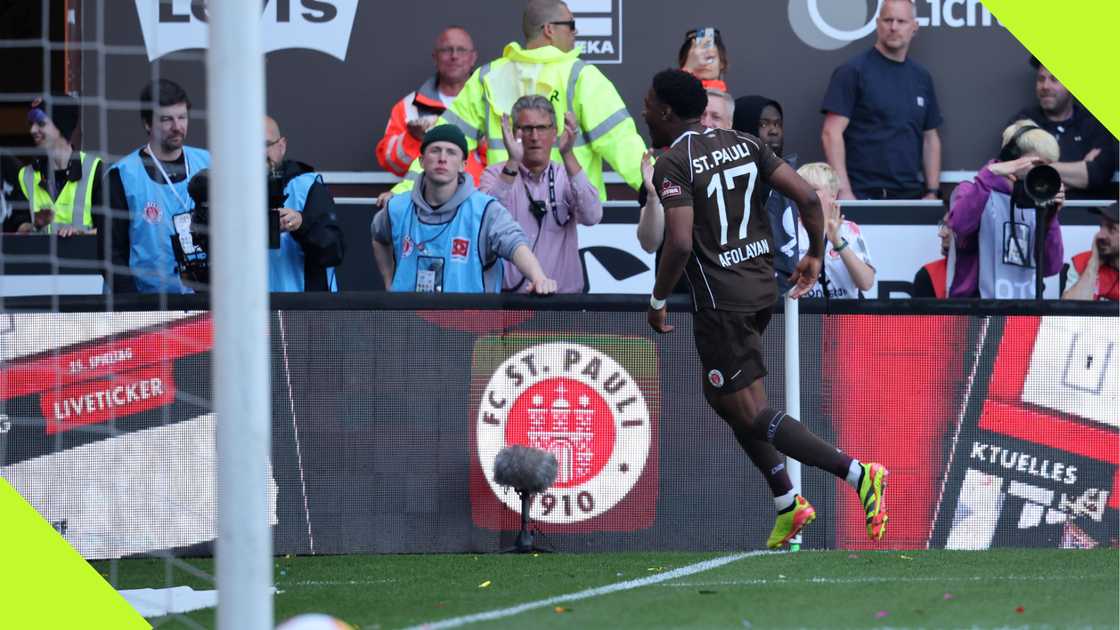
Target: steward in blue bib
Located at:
point(446, 236)
point(152, 205)
point(308, 256)
point(443, 256)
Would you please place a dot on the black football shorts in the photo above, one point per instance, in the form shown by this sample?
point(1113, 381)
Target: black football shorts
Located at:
point(730, 348)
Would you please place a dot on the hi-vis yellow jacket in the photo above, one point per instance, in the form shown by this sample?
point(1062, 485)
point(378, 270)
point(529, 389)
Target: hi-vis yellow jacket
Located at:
point(73, 195)
point(608, 131)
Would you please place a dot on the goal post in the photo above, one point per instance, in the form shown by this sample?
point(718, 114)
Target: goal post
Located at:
point(239, 303)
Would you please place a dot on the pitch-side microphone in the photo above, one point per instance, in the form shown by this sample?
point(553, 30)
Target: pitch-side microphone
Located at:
point(527, 470)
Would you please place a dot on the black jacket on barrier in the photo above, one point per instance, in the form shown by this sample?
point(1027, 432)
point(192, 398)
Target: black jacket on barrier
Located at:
point(319, 235)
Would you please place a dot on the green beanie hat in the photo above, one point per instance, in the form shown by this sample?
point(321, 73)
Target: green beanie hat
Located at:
point(445, 133)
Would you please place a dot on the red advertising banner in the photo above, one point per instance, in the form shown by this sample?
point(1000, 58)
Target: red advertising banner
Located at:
point(102, 399)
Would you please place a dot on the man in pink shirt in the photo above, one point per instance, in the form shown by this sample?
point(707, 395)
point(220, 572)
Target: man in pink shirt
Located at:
point(548, 199)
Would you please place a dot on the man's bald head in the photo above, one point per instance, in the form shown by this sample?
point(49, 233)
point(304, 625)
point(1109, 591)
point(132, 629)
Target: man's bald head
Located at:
point(275, 145)
point(895, 28)
point(543, 24)
point(271, 128)
point(455, 55)
point(453, 32)
point(904, 5)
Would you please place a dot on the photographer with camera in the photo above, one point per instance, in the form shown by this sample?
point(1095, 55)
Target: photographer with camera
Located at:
point(994, 218)
point(148, 194)
point(548, 199)
point(304, 240)
point(310, 243)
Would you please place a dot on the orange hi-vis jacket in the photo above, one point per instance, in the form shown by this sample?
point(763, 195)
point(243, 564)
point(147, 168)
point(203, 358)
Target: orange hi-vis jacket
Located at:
point(398, 148)
point(938, 271)
point(1107, 277)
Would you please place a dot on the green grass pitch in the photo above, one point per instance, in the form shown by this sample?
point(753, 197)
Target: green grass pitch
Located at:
point(809, 589)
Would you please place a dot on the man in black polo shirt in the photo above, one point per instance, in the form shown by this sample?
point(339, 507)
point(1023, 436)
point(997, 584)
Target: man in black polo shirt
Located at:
point(712, 184)
point(881, 117)
point(1088, 155)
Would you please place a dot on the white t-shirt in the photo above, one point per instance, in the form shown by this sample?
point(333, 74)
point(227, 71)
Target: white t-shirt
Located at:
point(840, 283)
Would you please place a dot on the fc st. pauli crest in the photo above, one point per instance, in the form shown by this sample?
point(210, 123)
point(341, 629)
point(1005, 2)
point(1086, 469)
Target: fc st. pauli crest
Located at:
point(578, 403)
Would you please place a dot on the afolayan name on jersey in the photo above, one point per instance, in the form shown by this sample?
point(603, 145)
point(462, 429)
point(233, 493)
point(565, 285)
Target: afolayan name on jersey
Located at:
point(744, 252)
point(720, 156)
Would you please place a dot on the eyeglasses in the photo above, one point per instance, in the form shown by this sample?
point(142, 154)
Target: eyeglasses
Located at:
point(532, 129)
point(571, 24)
point(447, 51)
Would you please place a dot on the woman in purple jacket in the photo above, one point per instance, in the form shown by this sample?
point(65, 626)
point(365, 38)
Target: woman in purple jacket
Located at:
point(993, 221)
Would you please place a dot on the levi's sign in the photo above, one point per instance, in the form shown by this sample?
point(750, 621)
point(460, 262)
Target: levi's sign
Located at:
point(172, 25)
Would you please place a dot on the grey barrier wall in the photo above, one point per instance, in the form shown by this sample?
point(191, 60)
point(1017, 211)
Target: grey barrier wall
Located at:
point(333, 105)
point(1000, 430)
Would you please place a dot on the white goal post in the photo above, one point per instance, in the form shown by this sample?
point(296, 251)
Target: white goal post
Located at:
point(239, 302)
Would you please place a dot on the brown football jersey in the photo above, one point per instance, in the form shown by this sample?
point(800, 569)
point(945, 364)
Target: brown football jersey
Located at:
point(717, 172)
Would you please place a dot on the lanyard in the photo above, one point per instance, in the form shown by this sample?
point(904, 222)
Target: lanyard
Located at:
point(551, 198)
point(422, 246)
point(167, 179)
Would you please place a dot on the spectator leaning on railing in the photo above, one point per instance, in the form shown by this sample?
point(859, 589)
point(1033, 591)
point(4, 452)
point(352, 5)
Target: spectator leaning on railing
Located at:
point(993, 221)
point(548, 199)
point(1092, 275)
point(1087, 151)
point(455, 56)
point(445, 235)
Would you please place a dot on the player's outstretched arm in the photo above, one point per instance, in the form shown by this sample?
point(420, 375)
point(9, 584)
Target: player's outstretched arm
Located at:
point(674, 256)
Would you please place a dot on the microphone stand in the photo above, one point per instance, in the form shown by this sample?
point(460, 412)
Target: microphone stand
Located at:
point(524, 542)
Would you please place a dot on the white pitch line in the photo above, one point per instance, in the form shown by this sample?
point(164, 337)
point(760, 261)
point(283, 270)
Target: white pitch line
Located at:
point(489, 615)
point(875, 580)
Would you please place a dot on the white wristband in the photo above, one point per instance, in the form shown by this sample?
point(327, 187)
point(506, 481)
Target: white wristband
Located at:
point(655, 303)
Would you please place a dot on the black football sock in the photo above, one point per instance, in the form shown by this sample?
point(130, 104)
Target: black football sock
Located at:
point(771, 464)
point(792, 438)
point(768, 461)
